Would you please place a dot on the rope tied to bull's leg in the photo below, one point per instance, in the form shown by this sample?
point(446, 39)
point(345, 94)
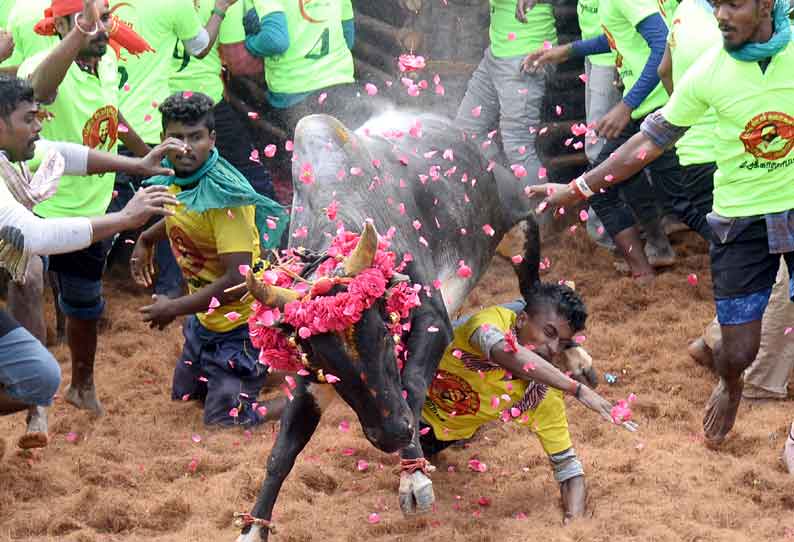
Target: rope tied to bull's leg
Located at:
point(244, 519)
point(410, 466)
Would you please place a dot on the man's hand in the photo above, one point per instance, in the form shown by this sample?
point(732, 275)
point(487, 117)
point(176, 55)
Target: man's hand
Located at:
point(598, 404)
point(159, 313)
point(90, 15)
point(6, 45)
point(150, 165)
point(146, 203)
point(556, 196)
point(142, 263)
point(223, 5)
point(522, 7)
point(613, 123)
point(534, 62)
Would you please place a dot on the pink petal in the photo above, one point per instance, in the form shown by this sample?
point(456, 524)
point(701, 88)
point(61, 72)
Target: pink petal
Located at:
point(457, 353)
point(373, 518)
point(344, 426)
point(270, 150)
point(262, 410)
point(519, 170)
point(196, 438)
point(290, 382)
point(424, 431)
point(321, 99)
point(477, 111)
point(464, 271)
point(579, 339)
point(542, 173)
point(511, 36)
point(243, 269)
point(331, 379)
point(489, 231)
point(304, 332)
point(214, 303)
point(348, 451)
point(234, 412)
point(558, 110)
point(583, 216)
point(362, 465)
point(253, 115)
point(517, 259)
point(71, 436)
point(232, 316)
point(371, 89)
point(432, 329)
point(692, 279)
point(289, 146)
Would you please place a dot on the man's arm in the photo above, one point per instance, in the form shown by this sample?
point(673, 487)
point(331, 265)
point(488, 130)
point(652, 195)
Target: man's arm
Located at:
point(49, 74)
point(131, 139)
point(164, 310)
point(200, 45)
point(81, 160)
point(273, 36)
point(6, 45)
point(665, 70)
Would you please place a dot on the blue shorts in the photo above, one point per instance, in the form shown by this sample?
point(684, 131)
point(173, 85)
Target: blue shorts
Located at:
point(80, 298)
point(743, 272)
point(28, 372)
point(221, 369)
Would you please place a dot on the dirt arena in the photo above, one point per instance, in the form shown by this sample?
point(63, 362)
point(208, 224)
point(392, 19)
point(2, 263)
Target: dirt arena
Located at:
point(128, 476)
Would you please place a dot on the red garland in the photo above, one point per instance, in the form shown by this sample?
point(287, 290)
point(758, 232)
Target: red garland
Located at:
point(317, 313)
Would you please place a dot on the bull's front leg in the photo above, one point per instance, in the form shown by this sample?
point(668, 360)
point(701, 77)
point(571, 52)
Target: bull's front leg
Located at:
point(298, 424)
point(424, 353)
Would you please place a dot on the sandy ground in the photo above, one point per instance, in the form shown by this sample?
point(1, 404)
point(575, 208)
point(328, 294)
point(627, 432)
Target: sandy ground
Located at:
point(127, 477)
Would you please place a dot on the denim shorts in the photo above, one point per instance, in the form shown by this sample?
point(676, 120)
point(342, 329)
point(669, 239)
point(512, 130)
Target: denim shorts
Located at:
point(28, 372)
point(80, 298)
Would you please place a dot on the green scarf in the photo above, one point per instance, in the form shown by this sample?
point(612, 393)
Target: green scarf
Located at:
point(218, 185)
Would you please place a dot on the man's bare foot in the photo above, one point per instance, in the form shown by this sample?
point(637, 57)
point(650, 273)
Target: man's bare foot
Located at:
point(699, 351)
point(36, 435)
point(788, 450)
point(721, 411)
point(84, 399)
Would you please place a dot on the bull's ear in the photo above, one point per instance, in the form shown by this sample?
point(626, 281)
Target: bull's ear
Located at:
point(363, 256)
point(397, 278)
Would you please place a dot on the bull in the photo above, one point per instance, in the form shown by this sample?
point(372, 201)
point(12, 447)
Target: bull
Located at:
point(420, 175)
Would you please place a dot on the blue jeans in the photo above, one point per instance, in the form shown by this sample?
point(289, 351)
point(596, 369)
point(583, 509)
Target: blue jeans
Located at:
point(28, 372)
point(221, 369)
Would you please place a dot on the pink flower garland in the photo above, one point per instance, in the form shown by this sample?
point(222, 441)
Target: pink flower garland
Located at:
point(317, 313)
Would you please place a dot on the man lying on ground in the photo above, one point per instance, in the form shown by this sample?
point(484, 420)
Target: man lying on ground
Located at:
point(491, 370)
point(29, 375)
point(215, 237)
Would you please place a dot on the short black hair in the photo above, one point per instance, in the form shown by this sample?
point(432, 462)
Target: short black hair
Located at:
point(561, 298)
point(190, 108)
point(14, 91)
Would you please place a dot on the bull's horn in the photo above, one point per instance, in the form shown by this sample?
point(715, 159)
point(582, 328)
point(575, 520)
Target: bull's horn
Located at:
point(363, 255)
point(399, 277)
point(269, 295)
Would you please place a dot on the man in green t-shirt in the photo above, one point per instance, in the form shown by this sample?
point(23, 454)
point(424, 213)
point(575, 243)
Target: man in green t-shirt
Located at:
point(747, 83)
point(27, 43)
point(144, 84)
point(693, 33)
point(78, 81)
point(227, 58)
point(637, 31)
point(500, 95)
point(308, 63)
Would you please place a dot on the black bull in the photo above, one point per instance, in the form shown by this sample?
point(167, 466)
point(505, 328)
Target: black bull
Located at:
point(393, 180)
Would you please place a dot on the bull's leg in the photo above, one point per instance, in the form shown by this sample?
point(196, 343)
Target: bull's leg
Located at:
point(416, 488)
point(298, 424)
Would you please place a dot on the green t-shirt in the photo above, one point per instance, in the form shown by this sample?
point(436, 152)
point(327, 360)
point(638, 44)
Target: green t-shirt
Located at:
point(694, 31)
point(754, 135)
point(590, 25)
point(510, 37)
point(160, 23)
point(5, 8)
point(204, 74)
point(620, 19)
point(318, 56)
point(21, 19)
point(85, 111)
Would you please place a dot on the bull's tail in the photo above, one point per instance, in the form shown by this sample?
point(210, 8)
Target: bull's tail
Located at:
point(528, 271)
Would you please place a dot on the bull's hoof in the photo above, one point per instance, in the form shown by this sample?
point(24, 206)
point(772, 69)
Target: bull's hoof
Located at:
point(254, 534)
point(416, 494)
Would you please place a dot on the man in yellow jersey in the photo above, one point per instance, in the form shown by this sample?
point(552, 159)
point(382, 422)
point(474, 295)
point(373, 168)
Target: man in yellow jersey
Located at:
point(216, 237)
point(484, 375)
point(747, 83)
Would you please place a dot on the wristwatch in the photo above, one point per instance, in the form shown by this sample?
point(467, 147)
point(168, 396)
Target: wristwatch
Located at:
point(219, 13)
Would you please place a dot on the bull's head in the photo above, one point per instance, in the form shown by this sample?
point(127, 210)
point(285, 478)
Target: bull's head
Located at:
point(362, 357)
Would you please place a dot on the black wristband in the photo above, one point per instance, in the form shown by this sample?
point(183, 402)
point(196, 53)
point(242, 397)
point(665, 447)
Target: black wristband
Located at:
point(578, 390)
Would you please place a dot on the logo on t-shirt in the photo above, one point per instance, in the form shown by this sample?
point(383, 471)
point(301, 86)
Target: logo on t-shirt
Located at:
point(453, 394)
point(305, 12)
point(187, 254)
point(614, 47)
point(101, 130)
point(769, 135)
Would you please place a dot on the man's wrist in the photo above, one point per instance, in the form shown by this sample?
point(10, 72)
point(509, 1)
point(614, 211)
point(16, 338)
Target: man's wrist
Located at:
point(220, 9)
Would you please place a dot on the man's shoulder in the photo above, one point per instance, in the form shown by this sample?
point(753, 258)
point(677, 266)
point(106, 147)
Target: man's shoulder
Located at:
point(29, 65)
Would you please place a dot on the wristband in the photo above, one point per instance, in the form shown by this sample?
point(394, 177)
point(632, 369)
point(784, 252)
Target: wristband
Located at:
point(578, 390)
point(219, 13)
point(583, 187)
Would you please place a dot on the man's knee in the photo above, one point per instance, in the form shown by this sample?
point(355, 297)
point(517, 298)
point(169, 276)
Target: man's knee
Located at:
point(32, 375)
point(80, 298)
point(566, 465)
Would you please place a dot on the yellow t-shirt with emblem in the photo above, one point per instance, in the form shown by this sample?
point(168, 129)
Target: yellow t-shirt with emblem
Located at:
point(462, 395)
point(197, 241)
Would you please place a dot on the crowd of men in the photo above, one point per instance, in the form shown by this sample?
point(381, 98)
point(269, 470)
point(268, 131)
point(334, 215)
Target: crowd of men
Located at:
point(115, 124)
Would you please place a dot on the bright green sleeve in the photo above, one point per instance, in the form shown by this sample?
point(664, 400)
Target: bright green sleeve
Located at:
point(636, 11)
point(689, 100)
point(232, 30)
point(186, 23)
point(266, 7)
point(347, 10)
